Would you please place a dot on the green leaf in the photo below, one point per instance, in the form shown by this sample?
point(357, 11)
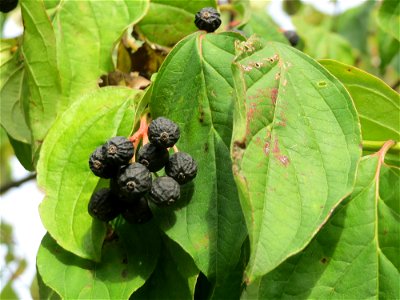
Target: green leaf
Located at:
point(262, 25)
point(388, 48)
point(355, 255)
point(389, 17)
point(194, 89)
point(295, 149)
point(84, 57)
point(168, 21)
point(128, 259)
point(11, 93)
point(63, 170)
point(378, 105)
point(45, 293)
point(39, 51)
point(174, 276)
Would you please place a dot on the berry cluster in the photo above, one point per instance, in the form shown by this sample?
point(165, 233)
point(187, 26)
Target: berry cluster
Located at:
point(131, 180)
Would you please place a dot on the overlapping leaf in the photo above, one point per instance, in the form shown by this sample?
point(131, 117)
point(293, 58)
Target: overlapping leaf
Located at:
point(40, 55)
point(65, 58)
point(168, 21)
point(63, 169)
point(377, 104)
point(128, 259)
point(11, 94)
point(295, 148)
point(355, 255)
point(194, 88)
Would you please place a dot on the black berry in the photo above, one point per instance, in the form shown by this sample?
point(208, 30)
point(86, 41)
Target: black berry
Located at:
point(8, 5)
point(207, 19)
point(163, 132)
point(104, 205)
point(153, 157)
point(137, 212)
point(134, 180)
point(182, 167)
point(292, 37)
point(100, 166)
point(119, 150)
point(164, 191)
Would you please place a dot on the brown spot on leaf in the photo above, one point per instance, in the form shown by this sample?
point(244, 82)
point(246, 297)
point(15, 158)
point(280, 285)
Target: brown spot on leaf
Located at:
point(283, 159)
point(324, 260)
point(274, 95)
point(240, 144)
point(206, 147)
point(267, 148)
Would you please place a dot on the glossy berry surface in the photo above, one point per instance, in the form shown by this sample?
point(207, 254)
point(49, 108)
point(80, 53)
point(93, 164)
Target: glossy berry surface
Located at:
point(8, 5)
point(137, 212)
point(163, 132)
point(153, 157)
point(207, 19)
point(164, 191)
point(104, 205)
point(134, 180)
point(119, 150)
point(182, 167)
point(100, 166)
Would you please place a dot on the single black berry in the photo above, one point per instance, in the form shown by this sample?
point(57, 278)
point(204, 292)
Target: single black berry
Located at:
point(134, 180)
point(182, 167)
point(100, 166)
point(104, 205)
point(164, 191)
point(137, 212)
point(207, 19)
point(163, 132)
point(119, 150)
point(153, 157)
point(292, 37)
point(8, 5)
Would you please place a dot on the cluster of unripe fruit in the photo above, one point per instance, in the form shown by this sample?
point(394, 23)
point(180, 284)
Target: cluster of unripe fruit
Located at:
point(131, 183)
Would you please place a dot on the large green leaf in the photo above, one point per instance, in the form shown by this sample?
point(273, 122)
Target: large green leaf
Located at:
point(39, 51)
point(11, 94)
point(128, 259)
point(84, 57)
point(377, 104)
point(174, 277)
point(168, 21)
point(63, 170)
point(355, 255)
point(194, 88)
point(389, 17)
point(295, 148)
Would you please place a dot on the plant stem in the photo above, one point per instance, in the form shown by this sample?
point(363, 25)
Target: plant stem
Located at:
point(376, 145)
point(4, 188)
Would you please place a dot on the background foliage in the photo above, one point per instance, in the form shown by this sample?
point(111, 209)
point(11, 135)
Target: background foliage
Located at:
point(297, 147)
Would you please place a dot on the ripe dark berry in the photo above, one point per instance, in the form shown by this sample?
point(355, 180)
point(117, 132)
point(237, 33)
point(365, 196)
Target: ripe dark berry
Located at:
point(164, 191)
point(119, 150)
point(134, 180)
point(163, 132)
point(153, 157)
point(182, 167)
point(137, 212)
point(292, 37)
point(99, 166)
point(8, 5)
point(104, 205)
point(207, 19)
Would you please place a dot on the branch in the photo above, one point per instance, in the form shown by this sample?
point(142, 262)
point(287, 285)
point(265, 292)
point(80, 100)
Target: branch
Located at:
point(5, 187)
